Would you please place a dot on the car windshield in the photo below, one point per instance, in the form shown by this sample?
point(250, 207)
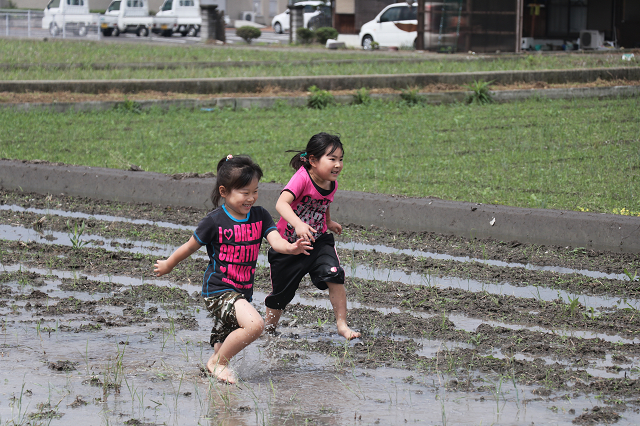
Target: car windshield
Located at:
point(167, 5)
point(114, 6)
point(53, 3)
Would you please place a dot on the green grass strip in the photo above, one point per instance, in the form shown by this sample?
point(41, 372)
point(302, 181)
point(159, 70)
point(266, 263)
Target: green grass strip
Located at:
point(577, 155)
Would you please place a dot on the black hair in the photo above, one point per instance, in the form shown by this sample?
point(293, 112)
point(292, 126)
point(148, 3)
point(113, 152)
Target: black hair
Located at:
point(234, 173)
point(316, 147)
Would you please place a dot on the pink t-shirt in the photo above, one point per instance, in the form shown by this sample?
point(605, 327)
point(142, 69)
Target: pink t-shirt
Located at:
point(310, 203)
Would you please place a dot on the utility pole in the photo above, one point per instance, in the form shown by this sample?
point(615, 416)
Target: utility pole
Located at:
point(420, 39)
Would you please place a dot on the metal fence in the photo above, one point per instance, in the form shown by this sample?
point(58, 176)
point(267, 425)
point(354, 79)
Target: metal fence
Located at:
point(28, 24)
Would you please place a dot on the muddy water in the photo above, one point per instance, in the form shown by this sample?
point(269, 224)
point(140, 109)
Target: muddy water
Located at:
point(111, 357)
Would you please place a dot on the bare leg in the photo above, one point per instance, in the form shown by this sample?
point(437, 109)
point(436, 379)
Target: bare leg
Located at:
point(338, 298)
point(271, 319)
point(251, 327)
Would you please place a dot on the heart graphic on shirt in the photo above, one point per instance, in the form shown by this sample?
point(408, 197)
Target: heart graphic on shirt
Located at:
point(228, 233)
point(223, 269)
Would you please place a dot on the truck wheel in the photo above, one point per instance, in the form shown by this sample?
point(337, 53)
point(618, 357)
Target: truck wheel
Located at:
point(142, 32)
point(107, 32)
point(277, 27)
point(53, 29)
point(116, 32)
point(82, 31)
point(193, 31)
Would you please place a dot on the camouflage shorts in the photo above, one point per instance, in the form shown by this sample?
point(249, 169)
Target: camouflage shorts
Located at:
point(221, 308)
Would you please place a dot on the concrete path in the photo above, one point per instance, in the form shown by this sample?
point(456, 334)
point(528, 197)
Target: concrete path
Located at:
point(548, 227)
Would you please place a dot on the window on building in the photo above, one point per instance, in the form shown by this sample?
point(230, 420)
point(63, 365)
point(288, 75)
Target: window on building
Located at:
point(566, 16)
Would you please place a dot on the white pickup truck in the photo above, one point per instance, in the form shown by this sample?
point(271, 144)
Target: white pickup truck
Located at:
point(68, 15)
point(178, 16)
point(126, 16)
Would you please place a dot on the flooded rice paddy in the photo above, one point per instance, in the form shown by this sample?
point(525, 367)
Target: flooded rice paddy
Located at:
point(455, 331)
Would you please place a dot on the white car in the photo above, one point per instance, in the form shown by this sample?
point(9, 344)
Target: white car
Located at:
point(397, 26)
point(281, 23)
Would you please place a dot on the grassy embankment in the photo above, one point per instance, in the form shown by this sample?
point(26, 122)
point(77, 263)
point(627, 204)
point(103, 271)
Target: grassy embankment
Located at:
point(576, 155)
point(282, 61)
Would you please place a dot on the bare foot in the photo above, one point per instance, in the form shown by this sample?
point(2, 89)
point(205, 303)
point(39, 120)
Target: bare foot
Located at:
point(348, 333)
point(223, 373)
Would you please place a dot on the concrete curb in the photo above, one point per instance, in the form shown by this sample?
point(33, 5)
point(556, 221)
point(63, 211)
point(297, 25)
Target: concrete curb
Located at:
point(548, 227)
point(270, 101)
point(256, 84)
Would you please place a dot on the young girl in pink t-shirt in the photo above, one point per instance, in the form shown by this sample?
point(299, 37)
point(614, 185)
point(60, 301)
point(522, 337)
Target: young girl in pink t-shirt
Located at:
point(304, 207)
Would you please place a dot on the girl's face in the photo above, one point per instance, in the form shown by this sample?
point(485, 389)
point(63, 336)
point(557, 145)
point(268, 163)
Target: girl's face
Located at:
point(240, 200)
point(327, 167)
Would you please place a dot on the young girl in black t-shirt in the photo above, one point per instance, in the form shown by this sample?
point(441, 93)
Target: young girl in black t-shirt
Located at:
point(232, 234)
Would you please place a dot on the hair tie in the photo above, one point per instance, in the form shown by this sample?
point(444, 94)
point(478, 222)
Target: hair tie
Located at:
point(304, 154)
point(229, 157)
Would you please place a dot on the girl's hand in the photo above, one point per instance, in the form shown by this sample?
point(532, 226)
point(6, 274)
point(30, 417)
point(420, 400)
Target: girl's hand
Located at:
point(305, 232)
point(300, 246)
point(334, 227)
point(162, 267)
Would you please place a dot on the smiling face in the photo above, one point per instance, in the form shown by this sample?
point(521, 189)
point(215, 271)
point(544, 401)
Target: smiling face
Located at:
point(327, 168)
point(239, 201)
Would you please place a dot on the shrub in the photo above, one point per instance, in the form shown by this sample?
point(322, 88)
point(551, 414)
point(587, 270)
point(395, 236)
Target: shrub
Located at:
point(248, 33)
point(305, 35)
point(320, 99)
point(325, 33)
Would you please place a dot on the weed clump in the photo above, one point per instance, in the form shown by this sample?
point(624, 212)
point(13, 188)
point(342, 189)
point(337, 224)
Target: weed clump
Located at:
point(480, 93)
point(320, 99)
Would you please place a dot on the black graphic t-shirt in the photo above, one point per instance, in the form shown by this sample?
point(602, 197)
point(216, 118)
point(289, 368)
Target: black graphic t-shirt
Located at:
point(233, 246)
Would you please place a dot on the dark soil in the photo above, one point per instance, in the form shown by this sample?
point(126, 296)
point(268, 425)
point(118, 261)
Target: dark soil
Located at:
point(556, 362)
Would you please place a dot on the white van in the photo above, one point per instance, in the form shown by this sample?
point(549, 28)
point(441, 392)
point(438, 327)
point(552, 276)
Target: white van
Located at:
point(68, 15)
point(397, 26)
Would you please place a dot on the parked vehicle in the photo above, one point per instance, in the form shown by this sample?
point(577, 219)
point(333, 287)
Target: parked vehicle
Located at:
point(282, 23)
point(178, 16)
point(67, 15)
point(126, 16)
point(321, 19)
point(397, 26)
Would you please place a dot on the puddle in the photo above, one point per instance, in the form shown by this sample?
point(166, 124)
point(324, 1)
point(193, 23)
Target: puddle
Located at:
point(417, 253)
point(343, 245)
point(535, 292)
point(106, 218)
point(466, 323)
point(159, 384)
point(358, 271)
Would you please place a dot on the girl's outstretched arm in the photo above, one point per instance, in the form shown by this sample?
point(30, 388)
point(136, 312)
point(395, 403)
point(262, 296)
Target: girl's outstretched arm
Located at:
point(283, 206)
point(187, 249)
point(281, 245)
point(332, 226)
